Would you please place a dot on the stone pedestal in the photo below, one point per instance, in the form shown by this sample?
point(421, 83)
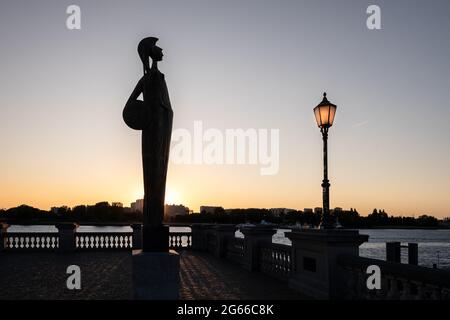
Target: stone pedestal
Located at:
point(137, 236)
point(66, 237)
point(254, 236)
point(222, 233)
point(393, 252)
point(314, 260)
point(155, 239)
point(156, 275)
point(199, 239)
point(3, 232)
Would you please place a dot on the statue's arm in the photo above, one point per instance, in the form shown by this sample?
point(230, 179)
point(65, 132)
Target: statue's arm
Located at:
point(137, 90)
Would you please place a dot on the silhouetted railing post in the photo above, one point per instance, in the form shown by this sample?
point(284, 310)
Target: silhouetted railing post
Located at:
point(199, 239)
point(413, 254)
point(222, 233)
point(137, 236)
point(66, 237)
point(253, 237)
point(3, 232)
point(393, 252)
point(315, 270)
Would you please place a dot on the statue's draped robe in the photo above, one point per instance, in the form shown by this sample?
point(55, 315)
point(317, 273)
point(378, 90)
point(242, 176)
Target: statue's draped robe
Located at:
point(156, 137)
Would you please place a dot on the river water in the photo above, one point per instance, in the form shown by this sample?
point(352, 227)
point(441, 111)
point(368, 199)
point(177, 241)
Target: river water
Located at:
point(434, 245)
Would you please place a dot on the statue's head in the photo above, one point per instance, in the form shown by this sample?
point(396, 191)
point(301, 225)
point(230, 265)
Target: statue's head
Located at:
point(147, 48)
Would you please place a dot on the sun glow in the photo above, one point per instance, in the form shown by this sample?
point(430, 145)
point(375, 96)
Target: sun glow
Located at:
point(172, 196)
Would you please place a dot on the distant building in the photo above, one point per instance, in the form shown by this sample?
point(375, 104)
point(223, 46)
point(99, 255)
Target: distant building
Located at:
point(172, 210)
point(210, 209)
point(278, 211)
point(318, 210)
point(308, 210)
point(138, 205)
point(338, 210)
point(117, 204)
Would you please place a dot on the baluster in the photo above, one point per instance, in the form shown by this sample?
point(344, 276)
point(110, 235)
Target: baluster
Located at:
point(393, 292)
point(445, 294)
point(360, 285)
point(406, 292)
point(381, 294)
point(38, 242)
point(435, 293)
point(420, 291)
point(351, 284)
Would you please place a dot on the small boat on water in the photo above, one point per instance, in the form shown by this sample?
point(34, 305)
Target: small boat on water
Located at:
point(337, 225)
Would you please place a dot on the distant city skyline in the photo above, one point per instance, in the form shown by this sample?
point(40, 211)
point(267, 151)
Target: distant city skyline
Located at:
point(232, 65)
point(138, 205)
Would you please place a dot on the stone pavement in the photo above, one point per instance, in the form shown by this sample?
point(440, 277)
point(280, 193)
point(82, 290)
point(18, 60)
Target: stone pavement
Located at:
point(208, 278)
point(107, 275)
point(42, 275)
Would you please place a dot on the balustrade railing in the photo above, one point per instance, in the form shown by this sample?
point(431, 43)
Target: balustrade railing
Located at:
point(275, 260)
point(104, 240)
point(235, 250)
point(211, 242)
point(180, 240)
point(36, 241)
point(398, 281)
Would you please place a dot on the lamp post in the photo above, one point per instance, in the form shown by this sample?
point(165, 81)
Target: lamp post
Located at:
point(325, 112)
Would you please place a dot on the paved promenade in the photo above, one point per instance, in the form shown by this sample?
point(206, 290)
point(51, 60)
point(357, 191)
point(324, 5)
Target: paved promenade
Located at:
point(107, 275)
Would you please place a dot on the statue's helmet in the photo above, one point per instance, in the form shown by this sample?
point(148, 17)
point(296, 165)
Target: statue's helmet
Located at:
point(145, 47)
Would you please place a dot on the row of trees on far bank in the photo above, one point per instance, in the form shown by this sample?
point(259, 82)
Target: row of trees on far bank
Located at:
point(103, 212)
point(347, 218)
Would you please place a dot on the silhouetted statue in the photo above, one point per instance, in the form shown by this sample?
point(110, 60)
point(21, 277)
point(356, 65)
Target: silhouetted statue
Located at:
point(154, 117)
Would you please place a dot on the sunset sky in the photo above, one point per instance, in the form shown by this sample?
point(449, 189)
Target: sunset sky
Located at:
point(230, 64)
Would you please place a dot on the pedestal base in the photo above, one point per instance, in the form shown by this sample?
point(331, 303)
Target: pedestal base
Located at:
point(155, 239)
point(315, 254)
point(156, 275)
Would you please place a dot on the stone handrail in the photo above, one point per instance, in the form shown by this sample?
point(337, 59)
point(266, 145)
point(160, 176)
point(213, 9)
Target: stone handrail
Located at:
point(275, 260)
point(398, 281)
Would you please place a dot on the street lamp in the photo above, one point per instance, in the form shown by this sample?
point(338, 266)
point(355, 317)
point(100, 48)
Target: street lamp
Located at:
point(325, 112)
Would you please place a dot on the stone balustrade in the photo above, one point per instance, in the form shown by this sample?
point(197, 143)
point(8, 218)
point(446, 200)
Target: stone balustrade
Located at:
point(67, 239)
point(398, 281)
point(322, 264)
